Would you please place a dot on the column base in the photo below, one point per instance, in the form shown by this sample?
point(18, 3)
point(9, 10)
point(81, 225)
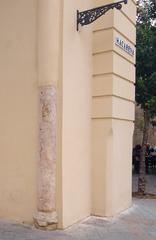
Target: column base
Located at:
point(45, 221)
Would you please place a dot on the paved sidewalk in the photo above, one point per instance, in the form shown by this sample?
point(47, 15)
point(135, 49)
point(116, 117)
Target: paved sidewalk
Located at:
point(136, 223)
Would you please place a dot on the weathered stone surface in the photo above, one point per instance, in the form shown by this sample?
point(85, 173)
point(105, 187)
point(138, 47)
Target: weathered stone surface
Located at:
point(46, 214)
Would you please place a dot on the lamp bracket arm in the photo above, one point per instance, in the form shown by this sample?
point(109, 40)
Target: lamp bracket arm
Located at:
point(89, 16)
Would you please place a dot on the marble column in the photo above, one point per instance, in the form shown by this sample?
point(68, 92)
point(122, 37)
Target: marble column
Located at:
point(48, 55)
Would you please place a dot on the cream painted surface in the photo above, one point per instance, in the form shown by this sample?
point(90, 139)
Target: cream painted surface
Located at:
point(121, 66)
point(112, 173)
point(104, 41)
point(126, 28)
point(112, 112)
point(102, 63)
point(122, 165)
point(108, 190)
point(121, 51)
point(48, 41)
point(109, 62)
point(49, 27)
point(102, 135)
point(18, 104)
point(102, 107)
point(59, 177)
point(130, 10)
point(102, 85)
point(123, 109)
point(109, 84)
point(129, 89)
point(102, 2)
point(104, 22)
point(112, 107)
point(117, 20)
point(76, 114)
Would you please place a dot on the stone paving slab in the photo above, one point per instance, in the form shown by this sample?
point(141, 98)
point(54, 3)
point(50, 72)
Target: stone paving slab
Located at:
point(136, 223)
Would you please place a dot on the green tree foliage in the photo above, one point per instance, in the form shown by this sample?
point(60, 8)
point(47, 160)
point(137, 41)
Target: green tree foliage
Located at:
point(146, 72)
point(146, 56)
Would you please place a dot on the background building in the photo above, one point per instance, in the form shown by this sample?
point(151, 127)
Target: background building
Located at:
point(67, 111)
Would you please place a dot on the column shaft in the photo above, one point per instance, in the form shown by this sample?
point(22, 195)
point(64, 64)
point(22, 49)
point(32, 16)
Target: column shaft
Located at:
point(48, 59)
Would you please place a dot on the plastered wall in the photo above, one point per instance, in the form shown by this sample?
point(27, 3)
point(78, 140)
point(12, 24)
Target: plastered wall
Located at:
point(76, 112)
point(18, 104)
point(112, 110)
point(91, 179)
point(25, 64)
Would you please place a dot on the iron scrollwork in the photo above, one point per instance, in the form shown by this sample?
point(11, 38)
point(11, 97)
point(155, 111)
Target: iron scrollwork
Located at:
point(89, 16)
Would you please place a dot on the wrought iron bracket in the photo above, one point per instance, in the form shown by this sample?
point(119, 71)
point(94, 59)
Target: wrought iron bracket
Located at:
point(89, 16)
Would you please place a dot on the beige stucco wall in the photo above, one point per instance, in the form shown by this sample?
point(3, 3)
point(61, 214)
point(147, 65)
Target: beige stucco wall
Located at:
point(76, 112)
point(28, 57)
point(111, 170)
point(112, 111)
point(43, 49)
point(18, 104)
